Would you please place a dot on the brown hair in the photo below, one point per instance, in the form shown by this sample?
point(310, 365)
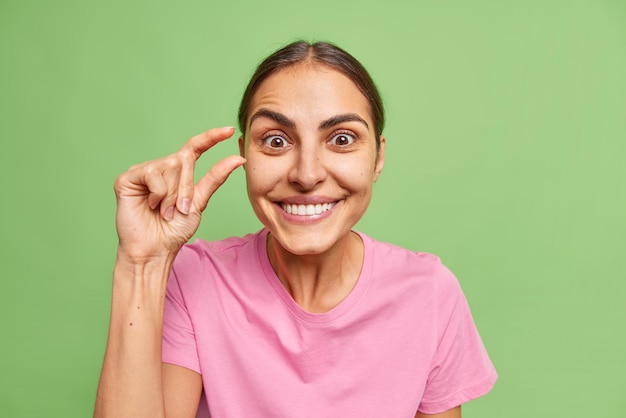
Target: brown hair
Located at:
point(323, 53)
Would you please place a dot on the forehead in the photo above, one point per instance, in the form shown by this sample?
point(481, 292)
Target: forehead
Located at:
point(311, 91)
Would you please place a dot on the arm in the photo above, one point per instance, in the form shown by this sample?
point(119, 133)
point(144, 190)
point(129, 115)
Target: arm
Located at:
point(181, 390)
point(452, 413)
point(158, 210)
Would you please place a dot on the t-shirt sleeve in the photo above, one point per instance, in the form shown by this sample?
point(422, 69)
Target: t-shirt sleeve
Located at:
point(461, 369)
point(179, 342)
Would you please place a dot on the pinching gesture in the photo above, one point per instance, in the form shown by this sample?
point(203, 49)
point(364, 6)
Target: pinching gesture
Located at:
point(158, 205)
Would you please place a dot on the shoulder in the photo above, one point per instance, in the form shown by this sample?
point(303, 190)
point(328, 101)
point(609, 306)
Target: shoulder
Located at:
point(201, 249)
point(195, 259)
point(386, 255)
point(417, 273)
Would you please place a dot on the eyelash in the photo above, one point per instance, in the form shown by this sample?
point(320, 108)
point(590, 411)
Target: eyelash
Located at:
point(344, 133)
point(282, 136)
point(269, 135)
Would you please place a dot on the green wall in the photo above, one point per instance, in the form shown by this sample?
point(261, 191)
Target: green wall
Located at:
point(506, 156)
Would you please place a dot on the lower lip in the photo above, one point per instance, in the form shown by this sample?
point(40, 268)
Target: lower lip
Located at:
point(307, 219)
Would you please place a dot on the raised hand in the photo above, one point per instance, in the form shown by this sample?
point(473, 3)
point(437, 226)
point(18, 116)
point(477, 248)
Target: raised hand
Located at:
point(158, 205)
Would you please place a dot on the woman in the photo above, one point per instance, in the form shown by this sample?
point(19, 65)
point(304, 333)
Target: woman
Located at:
point(305, 317)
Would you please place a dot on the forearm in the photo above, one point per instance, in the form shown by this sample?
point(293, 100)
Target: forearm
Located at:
point(158, 210)
point(131, 383)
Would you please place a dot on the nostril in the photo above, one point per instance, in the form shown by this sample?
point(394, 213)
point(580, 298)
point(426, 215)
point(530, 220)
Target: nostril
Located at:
point(308, 172)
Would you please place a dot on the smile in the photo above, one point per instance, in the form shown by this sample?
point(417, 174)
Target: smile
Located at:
point(307, 210)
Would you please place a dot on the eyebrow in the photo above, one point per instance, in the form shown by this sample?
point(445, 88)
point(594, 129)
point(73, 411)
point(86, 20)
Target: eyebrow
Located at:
point(275, 116)
point(328, 123)
point(338, 119)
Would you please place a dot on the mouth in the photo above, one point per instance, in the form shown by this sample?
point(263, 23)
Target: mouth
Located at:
point(307, 210)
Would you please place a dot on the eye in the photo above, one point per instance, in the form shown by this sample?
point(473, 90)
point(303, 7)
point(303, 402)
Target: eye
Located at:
point(342, 139)
point(275, 141)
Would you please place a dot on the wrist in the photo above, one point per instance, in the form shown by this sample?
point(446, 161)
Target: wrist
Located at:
point(129, 256)
point(155, 267)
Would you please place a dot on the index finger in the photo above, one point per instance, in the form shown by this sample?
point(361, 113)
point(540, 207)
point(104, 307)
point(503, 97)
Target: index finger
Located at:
point(198, 144)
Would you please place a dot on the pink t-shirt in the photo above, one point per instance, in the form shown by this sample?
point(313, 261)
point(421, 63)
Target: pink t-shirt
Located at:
point(402, 340)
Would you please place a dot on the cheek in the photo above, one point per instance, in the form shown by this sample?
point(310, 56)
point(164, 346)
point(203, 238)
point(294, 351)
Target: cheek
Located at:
point(261, 176)
point(355, 175)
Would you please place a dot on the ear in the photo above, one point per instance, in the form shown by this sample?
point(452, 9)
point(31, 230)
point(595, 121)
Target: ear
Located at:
point(380, 158)
point(242, 148)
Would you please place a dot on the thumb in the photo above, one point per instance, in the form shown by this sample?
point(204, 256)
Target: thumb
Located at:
point(212, 180)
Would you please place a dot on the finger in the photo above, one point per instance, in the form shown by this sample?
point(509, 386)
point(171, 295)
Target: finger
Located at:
point(144, 182)
point(172, 167)
point(186, 183)
point(157, 188)
point(198, 144)
point(212, 180)
point(189, 153)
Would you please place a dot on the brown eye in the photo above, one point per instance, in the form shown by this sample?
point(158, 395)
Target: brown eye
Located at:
point(342, 140)
point(275, 141)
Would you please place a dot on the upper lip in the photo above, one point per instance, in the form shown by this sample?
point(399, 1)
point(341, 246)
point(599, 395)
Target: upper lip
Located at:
point(307, 200)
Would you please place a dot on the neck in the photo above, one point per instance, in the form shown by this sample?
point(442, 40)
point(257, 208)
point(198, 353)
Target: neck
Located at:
point(318, 282)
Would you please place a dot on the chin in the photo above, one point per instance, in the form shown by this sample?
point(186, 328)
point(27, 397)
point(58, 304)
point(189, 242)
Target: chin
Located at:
point(305, 244)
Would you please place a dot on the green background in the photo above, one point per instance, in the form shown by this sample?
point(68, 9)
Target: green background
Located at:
point(506, 157)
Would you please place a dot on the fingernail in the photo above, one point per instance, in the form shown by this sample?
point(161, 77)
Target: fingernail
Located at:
point(169, 213)
point(184, 206)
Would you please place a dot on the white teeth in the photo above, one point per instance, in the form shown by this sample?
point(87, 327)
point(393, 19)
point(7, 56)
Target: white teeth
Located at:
point(307, 210)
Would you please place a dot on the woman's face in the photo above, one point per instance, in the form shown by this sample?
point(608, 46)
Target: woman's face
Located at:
point(311, 157)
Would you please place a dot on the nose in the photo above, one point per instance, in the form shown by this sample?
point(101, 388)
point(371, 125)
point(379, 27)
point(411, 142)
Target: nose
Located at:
point(308, 169)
